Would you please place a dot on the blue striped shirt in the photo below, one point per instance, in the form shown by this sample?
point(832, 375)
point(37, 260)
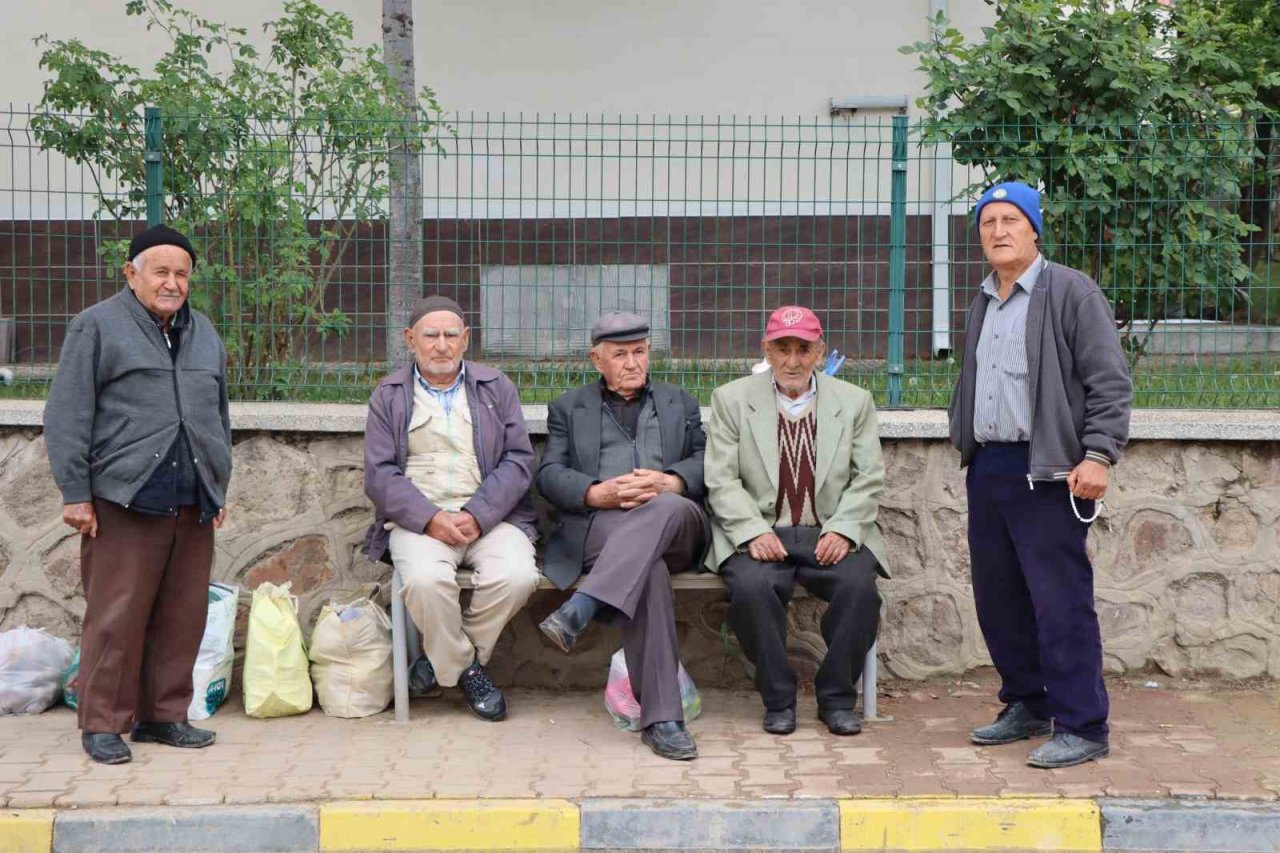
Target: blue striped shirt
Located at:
point(443, 396)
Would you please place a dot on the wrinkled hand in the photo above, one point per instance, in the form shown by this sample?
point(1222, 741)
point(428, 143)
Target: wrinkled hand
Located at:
point(466, 524)
point(220, 518)
point(603, 495)
point(442, 527)
point(1088, 480)
point(643, 485)
point(832, 548)
point(767, 548)
point(82, 517)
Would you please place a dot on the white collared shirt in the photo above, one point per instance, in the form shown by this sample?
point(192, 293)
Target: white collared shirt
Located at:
point(796, 406)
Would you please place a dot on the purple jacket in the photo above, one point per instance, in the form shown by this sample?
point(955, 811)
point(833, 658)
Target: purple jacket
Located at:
point(502, 449)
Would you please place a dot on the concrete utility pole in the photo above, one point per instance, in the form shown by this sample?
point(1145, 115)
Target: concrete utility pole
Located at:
point(404, 252)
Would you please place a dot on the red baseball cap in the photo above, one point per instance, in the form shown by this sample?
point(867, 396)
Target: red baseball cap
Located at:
point(793, 321)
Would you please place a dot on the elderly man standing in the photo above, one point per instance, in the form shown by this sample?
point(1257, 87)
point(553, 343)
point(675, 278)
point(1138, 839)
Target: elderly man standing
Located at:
point(139, 436)
point(447, 464)
point(794, 478)
point(623, 465)
point(1040, 414)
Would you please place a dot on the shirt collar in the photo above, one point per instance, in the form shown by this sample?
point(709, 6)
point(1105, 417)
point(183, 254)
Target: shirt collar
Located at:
point(430, 389)
point(803, 398)
point(1027, 281)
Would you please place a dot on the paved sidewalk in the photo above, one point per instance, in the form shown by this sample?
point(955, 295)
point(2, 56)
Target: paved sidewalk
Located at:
point(1203, 739)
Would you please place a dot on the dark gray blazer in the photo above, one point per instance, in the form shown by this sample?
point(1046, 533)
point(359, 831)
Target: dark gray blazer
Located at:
point(571, 464)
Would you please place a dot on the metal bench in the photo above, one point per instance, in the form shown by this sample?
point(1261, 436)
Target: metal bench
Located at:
point(406, 643)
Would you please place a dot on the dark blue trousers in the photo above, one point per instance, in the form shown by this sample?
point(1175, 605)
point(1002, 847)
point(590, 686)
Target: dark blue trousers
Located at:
point(1033, 586)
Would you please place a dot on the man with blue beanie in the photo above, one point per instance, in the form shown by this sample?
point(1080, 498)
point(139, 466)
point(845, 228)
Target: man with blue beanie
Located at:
point(1040, 413)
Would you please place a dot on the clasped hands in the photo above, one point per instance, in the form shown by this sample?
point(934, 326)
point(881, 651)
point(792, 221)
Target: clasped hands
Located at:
point(629, 491)
point(768, 548)
point(458, 529)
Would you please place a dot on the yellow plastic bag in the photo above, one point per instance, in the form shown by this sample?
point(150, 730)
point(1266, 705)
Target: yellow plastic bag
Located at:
point(351, 657)
point(276, 681)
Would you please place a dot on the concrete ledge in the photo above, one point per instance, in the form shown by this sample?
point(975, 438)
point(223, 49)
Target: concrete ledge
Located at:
point(1148, 424)
point(279, 829)
point(26, 831)
point(1181, 825)
point(970, 824)
point(652, 825)
point(547, 825)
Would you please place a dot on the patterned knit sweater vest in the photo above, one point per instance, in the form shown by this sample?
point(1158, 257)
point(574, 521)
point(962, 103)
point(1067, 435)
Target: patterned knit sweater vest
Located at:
point(797, 450)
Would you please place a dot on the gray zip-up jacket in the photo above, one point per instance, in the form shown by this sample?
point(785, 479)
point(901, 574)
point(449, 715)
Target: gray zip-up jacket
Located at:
point(119, 399)
point(1077, 378)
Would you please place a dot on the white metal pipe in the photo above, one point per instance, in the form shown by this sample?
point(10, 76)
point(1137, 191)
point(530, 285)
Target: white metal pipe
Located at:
point(941, 216)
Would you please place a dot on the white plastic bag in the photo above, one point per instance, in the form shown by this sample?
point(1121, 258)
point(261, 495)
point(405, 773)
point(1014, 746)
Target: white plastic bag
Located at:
point(31, 667)
point(621, 701)
point(351, 658)
point(211, 675)
point(276, 681)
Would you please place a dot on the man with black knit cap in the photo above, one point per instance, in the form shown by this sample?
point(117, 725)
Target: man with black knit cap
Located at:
point(1040, 414)
point(447, 464)
point(139, 435)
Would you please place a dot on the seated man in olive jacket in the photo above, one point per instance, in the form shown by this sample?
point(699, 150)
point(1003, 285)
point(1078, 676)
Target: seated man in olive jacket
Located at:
point(623, 465)
point(794, 480)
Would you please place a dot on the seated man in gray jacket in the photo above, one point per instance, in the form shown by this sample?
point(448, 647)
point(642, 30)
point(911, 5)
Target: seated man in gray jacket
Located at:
point(623, 465)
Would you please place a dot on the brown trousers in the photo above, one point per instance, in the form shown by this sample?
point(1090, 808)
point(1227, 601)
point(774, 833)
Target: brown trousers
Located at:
point(146, 589)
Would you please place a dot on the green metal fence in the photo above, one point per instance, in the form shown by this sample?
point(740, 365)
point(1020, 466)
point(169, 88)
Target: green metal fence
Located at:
point(537, 224)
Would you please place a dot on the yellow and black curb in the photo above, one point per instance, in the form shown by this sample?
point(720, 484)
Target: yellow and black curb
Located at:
point(917, 824)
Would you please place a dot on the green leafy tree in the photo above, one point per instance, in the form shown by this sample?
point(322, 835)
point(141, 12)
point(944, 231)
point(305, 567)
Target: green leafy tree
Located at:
point(1252, 29)
point(272, 161)
point(1131, 117)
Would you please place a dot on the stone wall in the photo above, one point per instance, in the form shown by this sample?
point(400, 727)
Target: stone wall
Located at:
point(1188, 561)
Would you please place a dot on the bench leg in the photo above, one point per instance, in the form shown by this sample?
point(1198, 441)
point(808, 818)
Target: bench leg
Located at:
point(399, 649)
point(869, 684)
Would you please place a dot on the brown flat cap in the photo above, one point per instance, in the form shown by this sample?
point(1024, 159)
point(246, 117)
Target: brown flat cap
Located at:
point(619, 326)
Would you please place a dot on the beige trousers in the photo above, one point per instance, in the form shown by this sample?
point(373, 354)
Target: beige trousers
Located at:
point(505, 577)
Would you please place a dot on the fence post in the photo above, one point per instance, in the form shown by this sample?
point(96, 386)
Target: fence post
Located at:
point(897, 260)
point(155, 166)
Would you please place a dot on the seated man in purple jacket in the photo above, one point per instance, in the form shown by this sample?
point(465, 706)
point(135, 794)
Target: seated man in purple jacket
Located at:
point(447, 464)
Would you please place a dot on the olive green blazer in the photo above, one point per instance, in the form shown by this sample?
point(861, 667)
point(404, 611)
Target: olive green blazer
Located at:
point(742, 465)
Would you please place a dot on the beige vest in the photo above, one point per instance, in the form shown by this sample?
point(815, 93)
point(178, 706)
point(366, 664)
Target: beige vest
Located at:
point(442, 455)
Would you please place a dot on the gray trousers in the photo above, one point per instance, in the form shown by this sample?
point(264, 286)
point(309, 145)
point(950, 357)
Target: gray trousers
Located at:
point(629, 558)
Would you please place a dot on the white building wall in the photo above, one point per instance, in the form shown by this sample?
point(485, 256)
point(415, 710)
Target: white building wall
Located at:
point(744, 57)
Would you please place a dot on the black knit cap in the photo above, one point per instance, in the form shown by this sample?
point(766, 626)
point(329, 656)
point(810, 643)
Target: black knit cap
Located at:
point(432, 304)
point(160, 235)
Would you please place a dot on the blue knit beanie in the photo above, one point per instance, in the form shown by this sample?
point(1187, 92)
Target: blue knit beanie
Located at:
point(1021, 196)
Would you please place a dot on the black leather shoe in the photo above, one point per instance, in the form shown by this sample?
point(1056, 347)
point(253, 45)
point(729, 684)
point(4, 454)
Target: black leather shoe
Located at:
point(563, 627)
point(485, 699)
point(106, 748)
point(670, 740)
point(1014, 723)
point(780, 722)
point(422, 678)
point(840, 722)
point(1067, 750)
point(183, 735)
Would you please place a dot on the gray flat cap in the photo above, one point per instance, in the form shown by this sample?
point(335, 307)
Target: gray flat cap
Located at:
point(619, 326)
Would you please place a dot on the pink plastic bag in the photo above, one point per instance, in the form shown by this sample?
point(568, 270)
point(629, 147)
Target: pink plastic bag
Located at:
point(621, 702)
